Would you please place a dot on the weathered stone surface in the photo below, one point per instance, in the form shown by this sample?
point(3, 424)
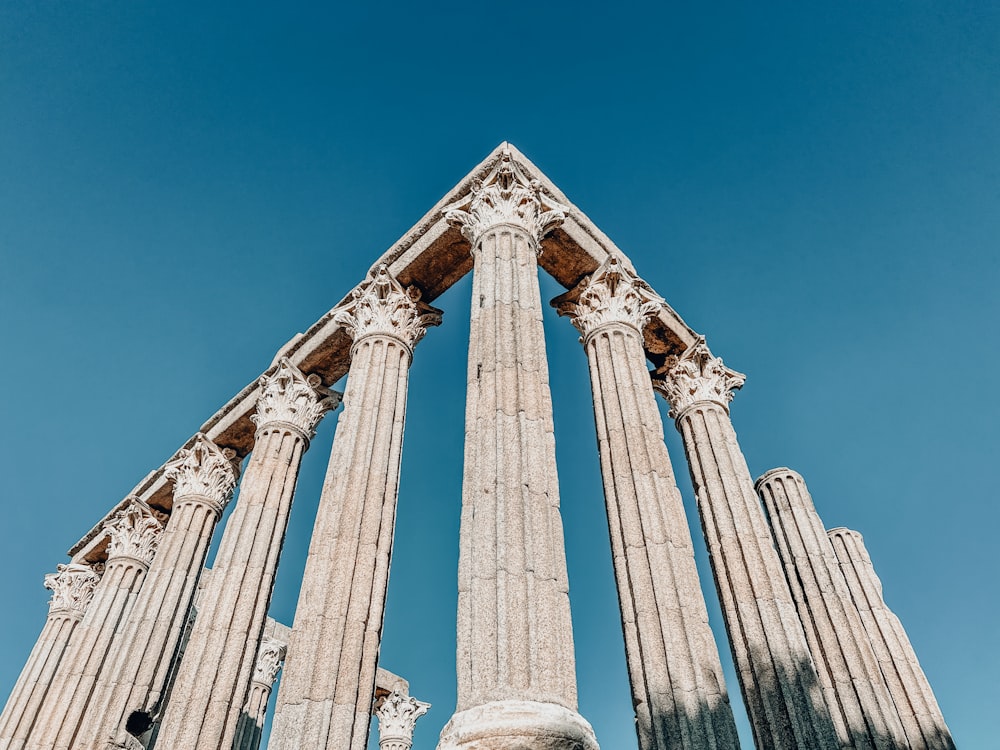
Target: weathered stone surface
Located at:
point(777, 675)
point(515, 641)
point(325, 698)
point(916, 705)
point(674, 667)
point(860, 705)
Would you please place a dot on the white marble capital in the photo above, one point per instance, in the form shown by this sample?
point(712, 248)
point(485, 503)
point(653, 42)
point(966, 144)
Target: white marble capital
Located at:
point(697, 376)
point(380, 305)
point(288, 397)
point(72, 588)
point(270, 655)
point(507, 197)
point(204, 471)
point(134, 532)
point(397, 715)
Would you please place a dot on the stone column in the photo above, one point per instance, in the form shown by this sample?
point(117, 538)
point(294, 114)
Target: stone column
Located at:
point(516, 670)
point(856, 694)
point(397, 715)
point(915, 702)
point(131, 684)
point(133, 535)
point(325, 698)
point(677, 685)
point(777, 676)
point(251, 722)
point(72, 588)
point(210, 689)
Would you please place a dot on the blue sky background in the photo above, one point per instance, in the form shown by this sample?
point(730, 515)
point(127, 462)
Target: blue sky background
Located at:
point(812, 186)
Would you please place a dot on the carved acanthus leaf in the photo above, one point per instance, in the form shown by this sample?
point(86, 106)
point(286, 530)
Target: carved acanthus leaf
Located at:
point(269, 657)
point(380, 305)
point(507, 196)
point(72, 588)
point(204, 470)
point(289, 397)
point(697, 375)
point(397, 715)
point(612, 294)
point(134, 532)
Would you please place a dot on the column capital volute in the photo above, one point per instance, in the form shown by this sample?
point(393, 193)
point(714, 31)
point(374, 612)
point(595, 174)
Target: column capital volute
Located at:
point(381, 306)
point(397, 716)
point(72, 587)
point(203, 473)
point(696, 376)
point(289, 398)
point(506, 197)
point(134, 532)
point(270, 655)
point(611, 296)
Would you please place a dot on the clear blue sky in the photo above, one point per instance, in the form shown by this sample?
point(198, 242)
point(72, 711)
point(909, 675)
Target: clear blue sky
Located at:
point(812, 186)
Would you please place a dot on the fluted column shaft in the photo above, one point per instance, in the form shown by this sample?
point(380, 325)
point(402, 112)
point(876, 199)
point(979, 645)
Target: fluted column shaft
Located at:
point(136, 675)
point(914, 699)
point(325, 698)
point(210, 689)
point(777, 676)
point(676, 675)
point(38, 678)
point(856, 694)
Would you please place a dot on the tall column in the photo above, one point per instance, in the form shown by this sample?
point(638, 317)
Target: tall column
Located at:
point(211, 685)
point(915, 702)
point(516, 670)
point(777, 676)
point(397, 716)
point(677, 685)
point(72, 588)
point(325, 698)
point(251, 722)
point(130, 685)
point(133, 535)
point(856, 694)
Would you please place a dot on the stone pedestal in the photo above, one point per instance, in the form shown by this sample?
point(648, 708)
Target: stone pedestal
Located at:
point(916, 705)
point(780, 688)
point(325, 698)
point(856, 694)
point(130, 685)
point(133, 535)
point(674, 667)
point(73, 589)
point(210, 690)
point(516, 667)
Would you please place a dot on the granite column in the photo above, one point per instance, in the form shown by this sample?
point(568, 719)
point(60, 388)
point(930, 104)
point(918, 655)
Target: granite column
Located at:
point(676, 675)
point(210, 689)
point(325, 698)
point(856, 694)
point(777, 676)
point(916, 705)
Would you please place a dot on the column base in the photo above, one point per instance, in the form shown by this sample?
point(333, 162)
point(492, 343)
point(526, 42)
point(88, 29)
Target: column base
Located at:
point(517, 725)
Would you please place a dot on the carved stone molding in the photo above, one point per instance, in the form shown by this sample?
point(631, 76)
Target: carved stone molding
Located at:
point(72, 588)
point(269, 657)
point(204, 470)
point(381, 306)
point(290, 398)
point(612, 294)
point(397, 716)
point(507, 197)
point(697, 375)
point(134, 532)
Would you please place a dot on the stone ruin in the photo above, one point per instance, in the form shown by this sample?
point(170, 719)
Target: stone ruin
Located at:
point(143, 648)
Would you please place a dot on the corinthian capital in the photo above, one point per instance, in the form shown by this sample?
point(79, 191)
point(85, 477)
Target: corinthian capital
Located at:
point(612, 294)
point(72, 588)
point(506, 197)
point(269, 657)
point(381, 306)
point(291, 398)
point(397, 716)
point(204, 470)
point(697, 375)
point(134, 532)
